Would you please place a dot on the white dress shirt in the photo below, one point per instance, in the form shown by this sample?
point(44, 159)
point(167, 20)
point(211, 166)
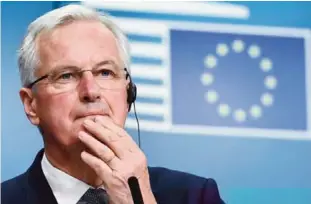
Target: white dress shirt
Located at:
point(66, 189)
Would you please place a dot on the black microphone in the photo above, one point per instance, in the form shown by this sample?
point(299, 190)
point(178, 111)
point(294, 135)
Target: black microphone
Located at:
point(135, 190)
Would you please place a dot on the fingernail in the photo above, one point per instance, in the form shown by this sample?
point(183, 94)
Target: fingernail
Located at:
point(82, 134)
point(87, 122)
point(83, 154)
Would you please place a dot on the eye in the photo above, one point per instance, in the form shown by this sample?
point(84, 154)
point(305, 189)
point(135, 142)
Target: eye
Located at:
point(65, 76)
point(106, 73)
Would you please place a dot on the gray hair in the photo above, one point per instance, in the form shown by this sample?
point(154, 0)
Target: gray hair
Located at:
point(28, 58)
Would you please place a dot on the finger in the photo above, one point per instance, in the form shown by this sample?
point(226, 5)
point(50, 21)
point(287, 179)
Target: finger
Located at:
point(129, 143)
point(103, 170)
point(100, 167)
point(114, 142)
point(100, 149)
point(104, 134)
point(109, 124)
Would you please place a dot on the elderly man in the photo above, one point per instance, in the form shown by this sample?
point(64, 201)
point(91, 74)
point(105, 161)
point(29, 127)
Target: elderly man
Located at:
point(74, 66)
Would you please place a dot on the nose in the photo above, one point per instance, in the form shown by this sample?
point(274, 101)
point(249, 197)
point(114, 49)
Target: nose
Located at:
point(89, 90)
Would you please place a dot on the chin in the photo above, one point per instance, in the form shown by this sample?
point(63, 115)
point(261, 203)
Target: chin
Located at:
point(73, 144)
point(70, 137)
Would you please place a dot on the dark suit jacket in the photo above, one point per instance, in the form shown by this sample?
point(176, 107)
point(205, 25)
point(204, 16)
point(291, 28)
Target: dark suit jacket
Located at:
point(168, 186)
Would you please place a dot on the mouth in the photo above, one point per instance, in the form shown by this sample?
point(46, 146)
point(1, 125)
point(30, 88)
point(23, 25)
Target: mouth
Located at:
point(91, 115)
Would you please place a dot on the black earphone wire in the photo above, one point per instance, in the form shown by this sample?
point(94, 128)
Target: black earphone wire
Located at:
point(139, 142)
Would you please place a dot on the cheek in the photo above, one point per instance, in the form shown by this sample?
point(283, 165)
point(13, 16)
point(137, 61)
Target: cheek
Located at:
point(61, 105)
point(119, 107)
point(56, 110)
point(57, 118)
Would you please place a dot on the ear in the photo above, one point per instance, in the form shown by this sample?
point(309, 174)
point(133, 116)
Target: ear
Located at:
point(128, 95)
point(30, 107)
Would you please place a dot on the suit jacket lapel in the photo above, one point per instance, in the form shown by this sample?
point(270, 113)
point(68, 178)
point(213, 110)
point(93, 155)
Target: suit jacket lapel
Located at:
point(38, 183)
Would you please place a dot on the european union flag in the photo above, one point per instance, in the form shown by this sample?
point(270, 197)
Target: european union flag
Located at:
point(238, 80)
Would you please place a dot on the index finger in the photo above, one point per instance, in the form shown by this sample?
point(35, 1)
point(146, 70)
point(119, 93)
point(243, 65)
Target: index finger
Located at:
point(109, 124)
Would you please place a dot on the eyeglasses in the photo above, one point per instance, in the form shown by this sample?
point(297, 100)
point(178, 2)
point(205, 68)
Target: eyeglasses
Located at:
point(107, 77)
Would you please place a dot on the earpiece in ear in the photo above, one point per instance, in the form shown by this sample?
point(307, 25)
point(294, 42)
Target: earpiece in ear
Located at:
point(131, 91)
point(131, 94)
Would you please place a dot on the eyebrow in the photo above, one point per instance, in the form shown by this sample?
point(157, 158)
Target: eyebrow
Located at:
point(72, 67)
point(109, 62)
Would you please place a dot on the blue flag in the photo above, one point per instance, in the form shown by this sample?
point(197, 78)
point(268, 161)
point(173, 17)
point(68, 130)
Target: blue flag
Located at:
point(237, 80)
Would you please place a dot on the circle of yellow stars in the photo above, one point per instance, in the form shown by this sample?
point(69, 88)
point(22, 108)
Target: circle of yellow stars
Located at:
point(211, 96)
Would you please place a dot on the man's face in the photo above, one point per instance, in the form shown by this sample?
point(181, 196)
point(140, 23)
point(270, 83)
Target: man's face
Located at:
point(82, 44)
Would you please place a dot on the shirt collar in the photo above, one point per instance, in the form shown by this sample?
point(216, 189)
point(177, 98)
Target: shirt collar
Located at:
point(66, 189)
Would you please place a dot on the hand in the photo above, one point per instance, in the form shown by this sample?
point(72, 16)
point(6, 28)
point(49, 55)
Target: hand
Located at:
point(117, 157)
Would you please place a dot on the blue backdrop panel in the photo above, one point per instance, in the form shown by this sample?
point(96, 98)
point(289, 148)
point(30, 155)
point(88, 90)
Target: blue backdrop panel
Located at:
point(248, 170)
